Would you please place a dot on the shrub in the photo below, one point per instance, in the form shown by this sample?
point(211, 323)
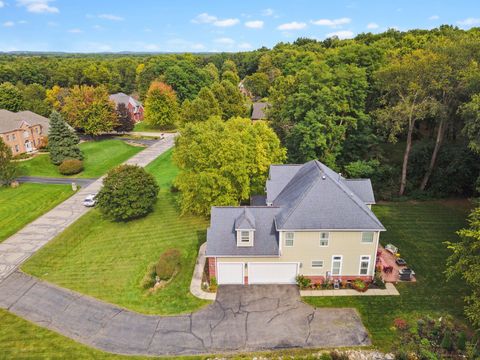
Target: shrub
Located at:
point(70, 167)
point(400, 324)
point(325, 356)
point(462, 341)
point(128, 192)
point(168, 264)
point(337, 355)
point(378, 281)
point(213, 284)
point(148, 280)
point(447, 343)
point(303, 282)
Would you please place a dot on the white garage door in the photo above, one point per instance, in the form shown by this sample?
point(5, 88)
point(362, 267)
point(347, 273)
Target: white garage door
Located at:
point(272, 273)
point(230, 273)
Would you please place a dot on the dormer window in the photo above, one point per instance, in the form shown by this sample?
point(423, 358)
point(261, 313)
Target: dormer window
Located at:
point(245, 237)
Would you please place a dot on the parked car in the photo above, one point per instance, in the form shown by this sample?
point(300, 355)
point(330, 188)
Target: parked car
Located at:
point(90, 200)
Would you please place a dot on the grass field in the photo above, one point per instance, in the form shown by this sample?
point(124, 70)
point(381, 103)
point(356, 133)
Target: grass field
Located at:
point(99, 157)
point(108, 260)
point(419, 230)
point(24, 204)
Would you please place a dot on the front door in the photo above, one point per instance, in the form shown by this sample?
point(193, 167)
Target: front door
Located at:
point(28, 146)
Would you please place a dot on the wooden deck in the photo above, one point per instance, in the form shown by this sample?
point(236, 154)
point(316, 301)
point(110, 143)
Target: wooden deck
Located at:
point(388, 259)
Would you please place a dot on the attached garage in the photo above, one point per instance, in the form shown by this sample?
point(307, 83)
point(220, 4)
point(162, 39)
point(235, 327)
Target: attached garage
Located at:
point(230, 273)
point(272, 273)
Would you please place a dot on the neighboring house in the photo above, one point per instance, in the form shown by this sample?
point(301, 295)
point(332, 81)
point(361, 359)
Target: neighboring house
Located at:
point(135, 108)
point(313, 222)
point(24, 131)
point(258, 110)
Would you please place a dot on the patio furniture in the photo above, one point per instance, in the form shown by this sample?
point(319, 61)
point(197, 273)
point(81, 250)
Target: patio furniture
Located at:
point(391, 249)
point(401, 262)
point(406, 274)
point(388, 269)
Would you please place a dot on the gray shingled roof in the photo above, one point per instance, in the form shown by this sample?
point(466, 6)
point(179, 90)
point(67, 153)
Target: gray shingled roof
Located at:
point(121, 98)
point(362, 188)
point(245, 221)
point(258, 111)
point(10, 121)
point(279, 176)
point(317, 198)
point(222, 237)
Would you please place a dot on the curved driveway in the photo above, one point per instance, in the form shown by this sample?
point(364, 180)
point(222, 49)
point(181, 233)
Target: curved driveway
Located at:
point(243, 318)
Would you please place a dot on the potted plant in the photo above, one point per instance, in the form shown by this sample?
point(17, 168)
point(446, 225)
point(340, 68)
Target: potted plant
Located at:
point(360, 285)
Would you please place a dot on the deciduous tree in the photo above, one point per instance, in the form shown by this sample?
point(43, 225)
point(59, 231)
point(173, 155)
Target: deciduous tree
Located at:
point(10, 97)
point(8, 169)
point(161, 106)
point(232, 102)
point(125, 122)
point(201, 108)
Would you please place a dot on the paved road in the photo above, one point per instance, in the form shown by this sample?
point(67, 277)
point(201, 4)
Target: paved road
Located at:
point(243, 318)
point(57, 181)
point(20, 246)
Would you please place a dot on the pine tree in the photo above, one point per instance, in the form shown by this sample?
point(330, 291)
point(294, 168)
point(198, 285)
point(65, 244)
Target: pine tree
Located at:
point(62, 141)
point(8, 169)
point(125, 121)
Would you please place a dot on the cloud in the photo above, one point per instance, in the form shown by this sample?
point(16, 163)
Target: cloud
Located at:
point(38, 6)
point(268, 12)
point(292, 26)
point(226, 22)
point(333, 23)
point(198, 46)
point(469, 21)
point(23, 22)
point(205, 18)
point(255, 24)
point(244, 45)
point(342, 34)
point(434, 17)
point(75, 31)
point(8, 24)
point(372, 25)
point(2, 4)
point(111, 17)
point(97, 27)
point(151, 47)
point(225, 41)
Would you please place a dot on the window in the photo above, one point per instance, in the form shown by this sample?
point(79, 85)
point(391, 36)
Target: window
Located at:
point(25, 134)
point(13, 136)
point(16, 148)
point(36, 130)
point(336, 265)
point(364, 264)
point(367, 237)
point(317, 263)
point(245, 236)
point(289, 237)
point(8, 137)
point(324, 238)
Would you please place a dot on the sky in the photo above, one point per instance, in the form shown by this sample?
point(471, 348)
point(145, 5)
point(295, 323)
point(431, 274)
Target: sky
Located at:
point(203, 26)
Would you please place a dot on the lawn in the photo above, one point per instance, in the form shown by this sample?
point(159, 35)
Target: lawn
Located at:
point(419, 230)
point(99, 157)
point(108, 260)
point(24, 204)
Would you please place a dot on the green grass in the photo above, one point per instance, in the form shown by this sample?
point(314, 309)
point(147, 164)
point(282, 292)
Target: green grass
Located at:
point(419, 230)
point(24, 204)
point(99, 157)
point(108, 260)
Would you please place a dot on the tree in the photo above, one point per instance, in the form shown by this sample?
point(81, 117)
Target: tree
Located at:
point(229, 65)
point(89, 110)
point(62, 141)
point(231, 77)
point(161, 106)
point(10, 97)
point(223, 163)
point(128, 192)
point(55, 97)
point(231, 100)
point(258, 84)
point(471, 114)
point(465, 262)
point(8, 169)
point(125, 122)
point(408, 84)
point(212, 72)
point(201, 108)
point(34, 96)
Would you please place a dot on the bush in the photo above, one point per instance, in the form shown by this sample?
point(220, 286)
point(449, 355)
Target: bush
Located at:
point(400, 324)
point(447, 343)
point(148, 280)
point(70, 167)
point(303, 282)
point(128, 192)
point(462, 341)
point(337, 355)
point(360, 285)
point(378, 281)
point(168, 264)
point(213, 284)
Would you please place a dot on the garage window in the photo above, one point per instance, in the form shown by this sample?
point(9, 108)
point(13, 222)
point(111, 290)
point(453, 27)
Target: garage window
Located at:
point(289, 239)
point(317, 263)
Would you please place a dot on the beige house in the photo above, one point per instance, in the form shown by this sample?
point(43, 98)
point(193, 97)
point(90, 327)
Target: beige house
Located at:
point(312, 222)
point(24, 131)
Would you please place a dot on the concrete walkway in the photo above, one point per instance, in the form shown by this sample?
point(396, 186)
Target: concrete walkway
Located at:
point(196, 283)
point(390, 290)
point(56, 181)
point(243, 318)
point(20, 246)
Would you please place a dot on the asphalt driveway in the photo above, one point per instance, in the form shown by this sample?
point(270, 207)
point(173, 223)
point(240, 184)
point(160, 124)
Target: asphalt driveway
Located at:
point(243, 318)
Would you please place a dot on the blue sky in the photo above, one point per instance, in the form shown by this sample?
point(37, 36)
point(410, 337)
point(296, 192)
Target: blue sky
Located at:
point(141, 25)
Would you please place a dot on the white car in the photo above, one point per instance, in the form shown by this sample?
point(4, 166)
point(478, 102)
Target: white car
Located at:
point(90, 200)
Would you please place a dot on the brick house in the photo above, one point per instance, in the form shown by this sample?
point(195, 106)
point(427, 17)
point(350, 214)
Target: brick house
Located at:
point(135, 108)
point(24, 131)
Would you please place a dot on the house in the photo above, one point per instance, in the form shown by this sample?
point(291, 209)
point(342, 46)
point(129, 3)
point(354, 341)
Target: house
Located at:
point(23, 131)
point(135, 108)
point(258, 110)
point(313, 222)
